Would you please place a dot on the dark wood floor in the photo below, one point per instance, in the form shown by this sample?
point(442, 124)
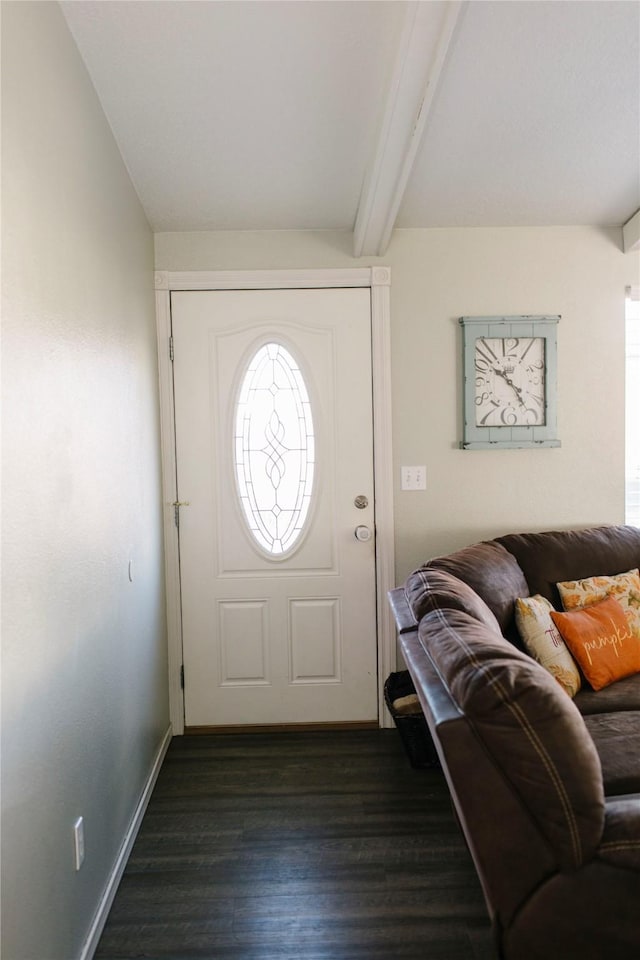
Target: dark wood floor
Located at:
point(314, 846)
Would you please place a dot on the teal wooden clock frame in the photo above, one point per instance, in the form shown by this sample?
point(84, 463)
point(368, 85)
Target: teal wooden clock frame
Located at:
point(509, 382)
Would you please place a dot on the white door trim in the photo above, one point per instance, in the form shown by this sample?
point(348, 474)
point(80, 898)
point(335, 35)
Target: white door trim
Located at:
point(378, 279)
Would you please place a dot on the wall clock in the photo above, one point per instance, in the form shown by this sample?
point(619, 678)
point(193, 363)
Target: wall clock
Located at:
point(509, 388)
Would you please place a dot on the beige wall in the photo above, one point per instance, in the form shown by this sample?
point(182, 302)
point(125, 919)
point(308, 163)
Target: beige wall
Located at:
point(84, 702)
point(438, 276)
point(84, 675)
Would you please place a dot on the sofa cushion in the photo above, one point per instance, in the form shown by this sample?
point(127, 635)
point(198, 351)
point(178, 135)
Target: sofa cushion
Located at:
point(588, 915)
point(621, 695)
point(528, 725)
point(494, 574)
point(548, 558)
point(617, 739)
point(432, 589)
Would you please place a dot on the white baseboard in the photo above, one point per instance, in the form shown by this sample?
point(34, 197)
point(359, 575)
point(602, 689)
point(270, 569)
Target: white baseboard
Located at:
point(91, 942)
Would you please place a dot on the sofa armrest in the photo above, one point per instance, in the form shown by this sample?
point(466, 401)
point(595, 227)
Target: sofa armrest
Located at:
point(401, 610)
point(620, 843)
point(509, 863)
point(437, 704)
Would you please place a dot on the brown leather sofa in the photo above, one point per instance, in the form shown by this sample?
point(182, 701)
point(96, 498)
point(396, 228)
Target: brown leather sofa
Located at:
point(546, 788)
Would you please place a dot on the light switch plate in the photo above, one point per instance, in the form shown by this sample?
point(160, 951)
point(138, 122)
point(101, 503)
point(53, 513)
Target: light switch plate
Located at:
point(413, 478)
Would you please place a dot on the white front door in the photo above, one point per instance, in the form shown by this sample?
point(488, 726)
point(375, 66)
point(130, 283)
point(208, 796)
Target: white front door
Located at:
point(274, 454)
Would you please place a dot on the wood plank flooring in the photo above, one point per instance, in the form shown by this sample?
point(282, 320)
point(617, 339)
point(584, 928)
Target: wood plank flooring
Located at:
point(297, 846)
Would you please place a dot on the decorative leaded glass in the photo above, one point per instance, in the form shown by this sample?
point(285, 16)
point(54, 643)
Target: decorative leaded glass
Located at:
point(274, 449)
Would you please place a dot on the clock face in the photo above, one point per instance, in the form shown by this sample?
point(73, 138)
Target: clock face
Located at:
point(510, 387)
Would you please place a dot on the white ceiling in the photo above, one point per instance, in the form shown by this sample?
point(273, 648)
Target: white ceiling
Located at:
point(235, 115)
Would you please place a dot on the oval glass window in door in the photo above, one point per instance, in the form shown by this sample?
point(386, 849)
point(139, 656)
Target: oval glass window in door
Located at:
point(274, 449)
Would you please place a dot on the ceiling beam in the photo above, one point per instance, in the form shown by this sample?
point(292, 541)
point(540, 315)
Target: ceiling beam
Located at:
point(631, 233)
point(428, 32)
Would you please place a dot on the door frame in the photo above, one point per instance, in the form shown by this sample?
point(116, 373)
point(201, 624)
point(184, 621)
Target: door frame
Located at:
point(378, 280)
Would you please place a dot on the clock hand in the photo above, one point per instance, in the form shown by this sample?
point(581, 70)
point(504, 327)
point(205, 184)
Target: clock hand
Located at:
point(510, 382)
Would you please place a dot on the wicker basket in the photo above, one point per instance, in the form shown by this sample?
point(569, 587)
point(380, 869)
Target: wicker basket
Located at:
point(412, 728)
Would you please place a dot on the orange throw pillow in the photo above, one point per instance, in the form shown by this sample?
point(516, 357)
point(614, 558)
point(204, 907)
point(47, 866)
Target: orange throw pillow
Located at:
point(600, 638)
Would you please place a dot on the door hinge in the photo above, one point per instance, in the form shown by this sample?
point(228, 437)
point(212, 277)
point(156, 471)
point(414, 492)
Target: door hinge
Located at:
point(171, 348)
point(176, 510)
point(182, 677)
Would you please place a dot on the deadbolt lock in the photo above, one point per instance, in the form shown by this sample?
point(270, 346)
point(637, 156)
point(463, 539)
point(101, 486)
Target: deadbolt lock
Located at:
point(361, 502)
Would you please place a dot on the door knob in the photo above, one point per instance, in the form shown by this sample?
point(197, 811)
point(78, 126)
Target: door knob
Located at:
point(362, 533)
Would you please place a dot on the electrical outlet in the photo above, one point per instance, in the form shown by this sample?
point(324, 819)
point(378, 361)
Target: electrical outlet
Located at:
point(78, 842)
point(413, 478)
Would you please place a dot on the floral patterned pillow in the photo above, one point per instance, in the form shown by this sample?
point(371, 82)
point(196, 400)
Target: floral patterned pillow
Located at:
point(542, 640)
point(624, 587)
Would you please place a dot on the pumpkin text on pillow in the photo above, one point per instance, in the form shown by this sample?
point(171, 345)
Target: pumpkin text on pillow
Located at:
point(600, 638)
